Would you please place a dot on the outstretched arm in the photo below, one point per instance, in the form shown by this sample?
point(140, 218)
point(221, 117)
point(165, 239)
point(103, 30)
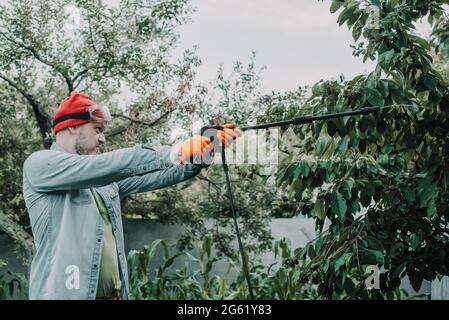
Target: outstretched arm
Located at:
point(51, 170)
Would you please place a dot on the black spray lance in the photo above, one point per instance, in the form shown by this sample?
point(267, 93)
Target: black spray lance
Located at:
point(211, 133)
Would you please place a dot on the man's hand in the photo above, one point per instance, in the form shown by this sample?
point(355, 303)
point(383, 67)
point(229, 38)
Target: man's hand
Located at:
point(229, 134)
point(199, 148)
point(196, 147)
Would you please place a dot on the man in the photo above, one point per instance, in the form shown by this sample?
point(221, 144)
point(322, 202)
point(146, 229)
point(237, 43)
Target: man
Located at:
point(73, 200)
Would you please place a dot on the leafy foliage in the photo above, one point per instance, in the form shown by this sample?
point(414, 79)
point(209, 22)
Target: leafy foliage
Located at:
point(198, 280)
point(44, 55)
point(392, 165)
point(376, 185)
point(12, 285)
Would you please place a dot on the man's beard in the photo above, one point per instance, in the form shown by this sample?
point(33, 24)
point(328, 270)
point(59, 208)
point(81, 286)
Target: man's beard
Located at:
point(79, 148)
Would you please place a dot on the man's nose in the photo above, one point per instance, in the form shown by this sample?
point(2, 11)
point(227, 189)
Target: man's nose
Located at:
point(102, 138)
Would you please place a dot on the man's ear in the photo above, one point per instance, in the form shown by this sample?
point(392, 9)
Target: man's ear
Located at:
point(72, 130)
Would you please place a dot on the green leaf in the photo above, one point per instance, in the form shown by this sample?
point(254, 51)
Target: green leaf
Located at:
point(381, 126)
point(335, 5)
point(384, 235)
point(363, 124)
point(331, 128)
point(416, 279)
point(375, 3)
point(343, 146)
point(206, 246)
point(435, 97)
point(431, 209)
point(415, 240)
point(306, 169)
point(209, 266)
point(311, 251)
point(383, 160)
point(318, 89)
point(338, 204)
point(349, 286)
point(298, 187)
point(369, 190)
point(374, 97)
point(341, 260)
point(421, 41)
point(429, 81)
point(297, 172)
point(357, 14)
point(154, 246)
point(346, 186)
point(347, 13)
point(357, 31)
point(397, 248)
point(170, 261)
point(427, 193)
point(374, 243)
point(370, 256)
point(330, 149)
point(373, 79)
point(397, 271)
point(353, 206)
point(319, 210)
point(321, 146)
point(409, 194)
point(313, 166)
point(386, 58)
point(302, 170)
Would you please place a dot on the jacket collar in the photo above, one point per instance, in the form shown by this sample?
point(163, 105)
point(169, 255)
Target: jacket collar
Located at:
point(57, 147)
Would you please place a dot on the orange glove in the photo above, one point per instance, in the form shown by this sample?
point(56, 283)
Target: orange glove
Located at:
point(229, 134)
point(194, 148)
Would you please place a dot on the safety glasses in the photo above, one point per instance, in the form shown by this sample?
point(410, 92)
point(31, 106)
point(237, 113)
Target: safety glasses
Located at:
point(98, 113)
point(93, 113)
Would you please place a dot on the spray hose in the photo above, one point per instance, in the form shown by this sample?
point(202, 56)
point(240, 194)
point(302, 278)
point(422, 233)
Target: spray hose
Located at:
point(211, 133)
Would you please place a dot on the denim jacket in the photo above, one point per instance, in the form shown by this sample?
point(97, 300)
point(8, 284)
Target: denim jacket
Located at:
point(66, 224)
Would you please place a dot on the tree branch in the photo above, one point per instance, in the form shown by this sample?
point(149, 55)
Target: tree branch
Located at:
point(18, 234)
point(149, 124)
point(42, 119)
point(216, 186)
point(142, 201)
point(79, 76)
point(35, 54)
point(116, 132)
point(91, 35)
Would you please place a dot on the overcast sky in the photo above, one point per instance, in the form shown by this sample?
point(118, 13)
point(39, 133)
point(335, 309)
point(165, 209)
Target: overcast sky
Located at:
point(298, 41)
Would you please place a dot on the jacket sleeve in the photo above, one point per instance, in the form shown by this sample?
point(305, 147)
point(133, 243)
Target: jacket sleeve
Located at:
point(50, 170)
point(159, 179)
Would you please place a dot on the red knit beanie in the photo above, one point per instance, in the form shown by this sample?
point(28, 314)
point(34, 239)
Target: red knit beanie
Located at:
point(77, 102)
